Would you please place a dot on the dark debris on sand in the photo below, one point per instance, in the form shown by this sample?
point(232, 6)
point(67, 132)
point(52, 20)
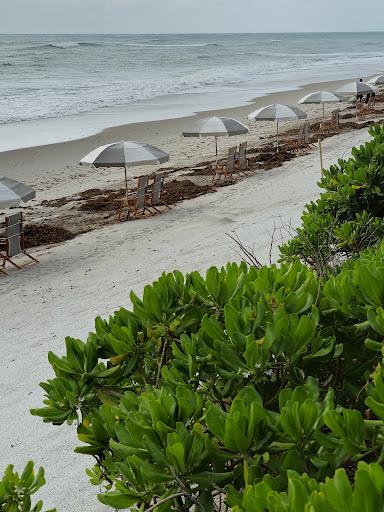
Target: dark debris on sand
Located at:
point(179, 190)
point(44, 234)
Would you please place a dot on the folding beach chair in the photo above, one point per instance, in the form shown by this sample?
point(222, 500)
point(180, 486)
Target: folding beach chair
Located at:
point(12, 244)
point(155, 199)
point(297, 142)
point(306, 137)
point(136, 202)
point(335, 119)
point(242, 163)
point(226, 169)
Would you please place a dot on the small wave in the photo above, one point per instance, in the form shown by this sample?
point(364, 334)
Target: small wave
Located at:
point(191, 45)
point(60, 46)
point(88, 44)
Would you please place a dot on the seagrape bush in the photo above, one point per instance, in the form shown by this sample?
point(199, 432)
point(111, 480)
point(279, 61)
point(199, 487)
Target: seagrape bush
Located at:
point(254, 389)
point(16, 490)
point(349, 215)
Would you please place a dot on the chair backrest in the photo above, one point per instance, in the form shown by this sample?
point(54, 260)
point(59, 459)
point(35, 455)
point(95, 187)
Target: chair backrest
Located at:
point(157, 189)
point(336, 117)
point(231, 158)
point(142, 189)
point(242, 155)
point(243, 146)
point(306, 133)
point(300, 135)
point(13, 234)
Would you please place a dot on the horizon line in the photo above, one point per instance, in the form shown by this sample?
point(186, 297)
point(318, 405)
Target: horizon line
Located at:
point(195, 33)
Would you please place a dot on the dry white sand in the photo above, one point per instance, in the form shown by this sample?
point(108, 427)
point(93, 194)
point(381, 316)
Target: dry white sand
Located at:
point(93, 274)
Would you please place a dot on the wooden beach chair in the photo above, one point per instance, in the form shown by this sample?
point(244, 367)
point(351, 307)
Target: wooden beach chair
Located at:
point(294, 143)
point(335, 118)
point(12, 244)
point(137, 203)
point(306, 136)
point(226, 169)
point(242, 163)
point(155, 198)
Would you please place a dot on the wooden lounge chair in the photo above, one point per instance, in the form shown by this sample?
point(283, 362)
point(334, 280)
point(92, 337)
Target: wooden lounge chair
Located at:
point(306, 137)
point(294, 143)
point(335, 118)
point(155, 198)
point(136, 203)
point(226, 169)
point(302, 140)
point(242, 163)
point(12, 244)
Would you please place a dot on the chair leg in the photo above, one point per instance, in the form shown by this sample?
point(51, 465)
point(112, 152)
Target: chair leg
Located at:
point(12, 263)
point(32, 258)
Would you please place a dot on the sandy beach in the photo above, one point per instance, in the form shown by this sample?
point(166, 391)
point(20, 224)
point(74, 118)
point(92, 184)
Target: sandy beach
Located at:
point(92, 274)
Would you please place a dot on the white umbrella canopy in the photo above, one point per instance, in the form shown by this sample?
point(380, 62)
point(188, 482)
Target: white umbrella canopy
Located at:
point(216, 127)
point(357, 87)
point(125, 154)
point(376, 80)
point(12, 192)
point(277, 112)
point(321, 97)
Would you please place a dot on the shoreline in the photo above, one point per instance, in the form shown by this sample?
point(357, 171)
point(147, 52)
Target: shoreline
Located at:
point(27, 163)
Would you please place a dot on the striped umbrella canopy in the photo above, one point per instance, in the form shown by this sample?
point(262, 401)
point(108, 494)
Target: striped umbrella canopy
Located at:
point(277, 112)
point(216, 127)
point(321, 97)
point(125, 154)
point(357, 87)
point(12, 192)
point(377, 80)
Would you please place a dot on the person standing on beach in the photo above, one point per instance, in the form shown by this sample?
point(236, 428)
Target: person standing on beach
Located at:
point(359, 97)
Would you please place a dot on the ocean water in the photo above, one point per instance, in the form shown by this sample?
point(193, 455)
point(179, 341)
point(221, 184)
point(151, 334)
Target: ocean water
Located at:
point(48, 76)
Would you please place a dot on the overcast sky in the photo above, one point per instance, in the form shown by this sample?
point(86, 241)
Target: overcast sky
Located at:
point(156, 16)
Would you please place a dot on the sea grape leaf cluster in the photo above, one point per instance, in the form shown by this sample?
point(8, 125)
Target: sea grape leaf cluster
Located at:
point(212, 386)
point(16, 490)
point(349, 215)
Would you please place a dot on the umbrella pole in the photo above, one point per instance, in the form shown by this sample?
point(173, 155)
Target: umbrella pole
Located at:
point(216, 148)
point(277, 136)
point(126, 183)
point(323, 111)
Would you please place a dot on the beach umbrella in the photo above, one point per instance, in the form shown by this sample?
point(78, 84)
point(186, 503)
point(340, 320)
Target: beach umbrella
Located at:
point(277, 113)
point(321, 97)
point(216, 127)
point(12, 192)
point(357, 88)
point(125, 154)
point(377, 80)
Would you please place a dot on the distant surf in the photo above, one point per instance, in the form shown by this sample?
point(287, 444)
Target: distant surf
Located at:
point(45, 76)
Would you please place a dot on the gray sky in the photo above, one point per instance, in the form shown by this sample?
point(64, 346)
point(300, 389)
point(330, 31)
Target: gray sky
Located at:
point(154, 16)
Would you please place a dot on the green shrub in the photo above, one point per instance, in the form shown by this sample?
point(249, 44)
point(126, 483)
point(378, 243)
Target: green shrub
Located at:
point(16, 490)
point(304, 494)
point(245, 378)
point(348, 216)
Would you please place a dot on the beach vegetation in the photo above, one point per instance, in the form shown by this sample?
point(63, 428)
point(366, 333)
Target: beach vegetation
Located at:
point(246, 385)
point(16, 490)
point(349, 215)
